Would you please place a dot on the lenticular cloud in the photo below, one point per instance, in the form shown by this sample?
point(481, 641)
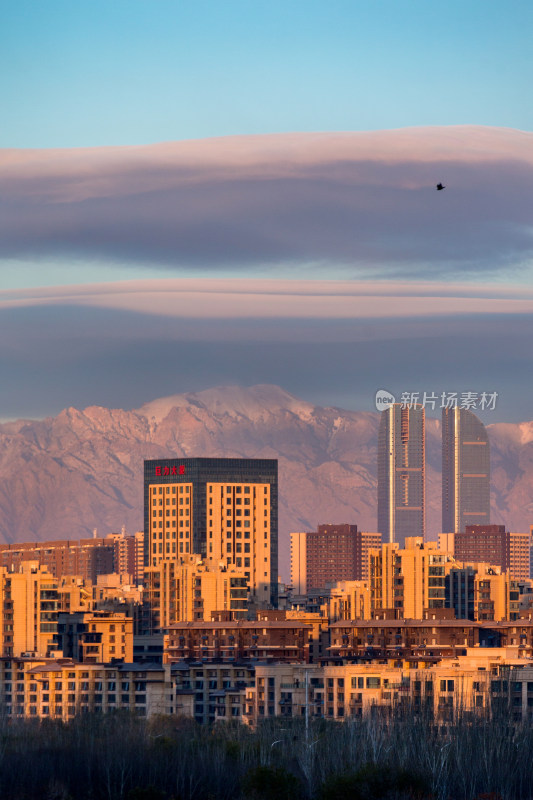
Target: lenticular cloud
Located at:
point(366, 201)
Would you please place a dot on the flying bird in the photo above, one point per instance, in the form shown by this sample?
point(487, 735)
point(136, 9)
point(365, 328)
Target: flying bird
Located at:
point(440, 187)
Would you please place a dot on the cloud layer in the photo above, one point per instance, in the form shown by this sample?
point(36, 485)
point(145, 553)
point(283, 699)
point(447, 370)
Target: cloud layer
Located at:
point(232, 298)
point(362, 201)
point(425, 301)
point(334, 343)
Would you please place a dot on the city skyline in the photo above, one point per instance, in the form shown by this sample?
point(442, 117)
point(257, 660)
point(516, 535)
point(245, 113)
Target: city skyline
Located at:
point(328, 462)
point(231, 233)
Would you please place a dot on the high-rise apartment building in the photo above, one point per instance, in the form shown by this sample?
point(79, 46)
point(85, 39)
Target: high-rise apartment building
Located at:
point(220, 508)
point(492, 544)
point(188, 589)
point(299, 562)
point(128, 554)
point(330, 554)
point(519, 556)
point(401, 473)
point(465, 471)
point(407, 581)
point(28, 609)
point(482, 592)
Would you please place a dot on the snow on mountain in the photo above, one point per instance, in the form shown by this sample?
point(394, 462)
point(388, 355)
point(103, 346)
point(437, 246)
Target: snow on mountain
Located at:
point(235, 401)
point(83, 469)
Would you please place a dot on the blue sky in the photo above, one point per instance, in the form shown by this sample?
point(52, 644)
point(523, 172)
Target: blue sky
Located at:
point(102, 83)
point(133, 71)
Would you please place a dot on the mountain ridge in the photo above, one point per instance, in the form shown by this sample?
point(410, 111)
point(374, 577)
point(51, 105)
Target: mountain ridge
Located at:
point(63, 476)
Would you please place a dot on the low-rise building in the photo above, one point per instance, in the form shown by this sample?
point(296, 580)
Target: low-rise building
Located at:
point(389, 638)
point(277, 640)
point(95, 637)
point(466, 685)
point(61, 688)
point(484, 679)
point(210, 692)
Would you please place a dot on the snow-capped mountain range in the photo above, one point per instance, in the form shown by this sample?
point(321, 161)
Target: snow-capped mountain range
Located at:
point(63, 476)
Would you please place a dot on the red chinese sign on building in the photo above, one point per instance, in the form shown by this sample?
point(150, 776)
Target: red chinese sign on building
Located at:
point(163, 471)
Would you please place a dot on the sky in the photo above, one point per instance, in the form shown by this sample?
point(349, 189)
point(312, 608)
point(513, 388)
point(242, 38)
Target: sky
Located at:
point(201, 193)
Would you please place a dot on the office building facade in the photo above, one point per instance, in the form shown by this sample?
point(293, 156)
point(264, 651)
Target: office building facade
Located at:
point(465, 471)
point(401, 473)
point(219, 508)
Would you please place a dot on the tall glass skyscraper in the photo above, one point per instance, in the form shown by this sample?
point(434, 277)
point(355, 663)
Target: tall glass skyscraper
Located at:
point(465, 471)
point(401, 473)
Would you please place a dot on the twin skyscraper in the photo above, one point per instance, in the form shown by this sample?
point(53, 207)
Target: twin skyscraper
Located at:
point(402, 472)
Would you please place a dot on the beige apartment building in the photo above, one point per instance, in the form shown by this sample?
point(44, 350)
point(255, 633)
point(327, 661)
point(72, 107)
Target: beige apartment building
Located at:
point(348, 600)
point(496, 594)
point(28, 609)
point(420, 578)
point(74, 594)
point(191, 588)
point(61, 689)
point(128, 555)
point(31, 603)
point(445, 690)
point(209, 692)
point(407, 581)
point(254, 691)
point(116, 589)
point(238, 532)
point(170, 532)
